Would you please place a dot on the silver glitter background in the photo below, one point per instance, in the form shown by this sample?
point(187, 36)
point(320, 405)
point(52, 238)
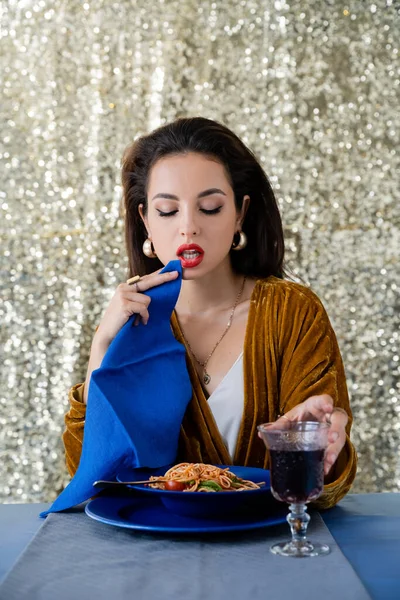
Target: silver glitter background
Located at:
point(312, 87)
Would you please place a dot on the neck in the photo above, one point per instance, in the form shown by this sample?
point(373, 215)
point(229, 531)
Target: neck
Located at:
point(215, 291)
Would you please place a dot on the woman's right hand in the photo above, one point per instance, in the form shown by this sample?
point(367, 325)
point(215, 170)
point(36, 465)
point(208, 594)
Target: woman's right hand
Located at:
point(129, 300)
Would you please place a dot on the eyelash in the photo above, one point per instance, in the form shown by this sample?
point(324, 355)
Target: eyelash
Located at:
point(214, 211)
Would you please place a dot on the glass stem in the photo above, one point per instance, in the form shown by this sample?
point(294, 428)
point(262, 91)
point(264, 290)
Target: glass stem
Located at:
point(298, 519)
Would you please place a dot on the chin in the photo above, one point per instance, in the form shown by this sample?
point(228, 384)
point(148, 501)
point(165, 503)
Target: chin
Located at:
point(190, 274)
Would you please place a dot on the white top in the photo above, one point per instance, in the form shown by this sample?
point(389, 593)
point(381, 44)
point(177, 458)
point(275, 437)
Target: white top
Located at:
point(227, 403)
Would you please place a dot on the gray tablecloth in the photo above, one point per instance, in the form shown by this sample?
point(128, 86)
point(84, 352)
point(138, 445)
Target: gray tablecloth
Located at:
point(74, 557)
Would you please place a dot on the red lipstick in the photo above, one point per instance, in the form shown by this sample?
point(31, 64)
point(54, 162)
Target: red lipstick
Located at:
point(190, 255)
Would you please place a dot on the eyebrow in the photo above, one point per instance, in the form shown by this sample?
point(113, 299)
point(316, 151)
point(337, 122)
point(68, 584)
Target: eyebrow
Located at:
point(201, 195)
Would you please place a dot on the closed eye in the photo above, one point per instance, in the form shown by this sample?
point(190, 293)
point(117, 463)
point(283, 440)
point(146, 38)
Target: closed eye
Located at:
point(213, 211)
point(166, 214)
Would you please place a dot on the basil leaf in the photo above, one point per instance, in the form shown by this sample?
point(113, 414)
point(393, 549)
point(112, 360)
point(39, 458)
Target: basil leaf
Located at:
point(213, 485)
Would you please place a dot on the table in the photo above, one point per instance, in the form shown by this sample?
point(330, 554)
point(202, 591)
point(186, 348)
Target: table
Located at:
point(365, 526)
point(367, 530)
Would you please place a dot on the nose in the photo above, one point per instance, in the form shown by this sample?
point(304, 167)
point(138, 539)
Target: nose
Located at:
point(188, 225)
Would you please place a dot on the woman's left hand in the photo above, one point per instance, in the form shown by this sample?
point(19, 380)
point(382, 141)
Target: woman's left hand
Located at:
point(321, 408)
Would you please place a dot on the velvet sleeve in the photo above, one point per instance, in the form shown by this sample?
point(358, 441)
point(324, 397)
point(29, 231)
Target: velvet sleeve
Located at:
point(74, 426)
point(311, 365)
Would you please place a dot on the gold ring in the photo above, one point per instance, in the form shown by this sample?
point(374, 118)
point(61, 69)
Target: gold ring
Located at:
point(133, 279)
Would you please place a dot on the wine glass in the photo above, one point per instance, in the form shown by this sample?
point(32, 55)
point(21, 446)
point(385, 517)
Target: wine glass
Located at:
point(297, 451)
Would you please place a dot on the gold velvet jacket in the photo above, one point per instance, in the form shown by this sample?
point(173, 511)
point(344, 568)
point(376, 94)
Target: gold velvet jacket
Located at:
point(290, 353)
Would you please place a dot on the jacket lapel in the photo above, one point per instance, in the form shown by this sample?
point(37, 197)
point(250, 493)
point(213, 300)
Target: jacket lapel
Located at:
point(250, 449)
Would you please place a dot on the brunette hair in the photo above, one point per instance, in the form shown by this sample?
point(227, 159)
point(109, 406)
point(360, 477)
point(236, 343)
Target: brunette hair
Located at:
point(264, 253)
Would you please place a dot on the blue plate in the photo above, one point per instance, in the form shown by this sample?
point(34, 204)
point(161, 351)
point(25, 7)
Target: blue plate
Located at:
point(208, 505)
point(146, 513)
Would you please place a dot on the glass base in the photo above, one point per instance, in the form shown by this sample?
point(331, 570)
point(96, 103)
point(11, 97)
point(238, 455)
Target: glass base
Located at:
point(300, 549)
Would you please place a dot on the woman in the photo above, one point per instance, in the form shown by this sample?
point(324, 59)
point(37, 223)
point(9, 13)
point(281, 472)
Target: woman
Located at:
point(258, 346)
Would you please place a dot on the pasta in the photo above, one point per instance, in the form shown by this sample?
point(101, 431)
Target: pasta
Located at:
point(199, 477)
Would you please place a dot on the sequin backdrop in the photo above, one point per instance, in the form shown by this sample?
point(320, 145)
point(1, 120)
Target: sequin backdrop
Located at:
point(312, 87)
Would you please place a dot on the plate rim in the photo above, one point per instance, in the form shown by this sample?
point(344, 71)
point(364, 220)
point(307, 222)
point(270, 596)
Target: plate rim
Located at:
point(219, 527)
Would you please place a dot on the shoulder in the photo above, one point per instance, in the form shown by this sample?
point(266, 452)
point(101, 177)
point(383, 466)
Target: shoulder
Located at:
point(281, 293)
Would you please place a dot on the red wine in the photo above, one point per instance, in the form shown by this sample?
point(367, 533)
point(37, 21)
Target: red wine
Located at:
point(297, 475)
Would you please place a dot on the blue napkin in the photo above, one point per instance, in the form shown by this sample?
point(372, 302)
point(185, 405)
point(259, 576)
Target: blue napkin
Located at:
point(136, 401)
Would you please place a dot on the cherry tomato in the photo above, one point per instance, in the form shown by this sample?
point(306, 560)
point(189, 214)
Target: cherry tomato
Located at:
point(174, 486)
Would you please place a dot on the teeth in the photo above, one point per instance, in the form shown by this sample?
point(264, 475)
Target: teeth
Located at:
point(190, 254)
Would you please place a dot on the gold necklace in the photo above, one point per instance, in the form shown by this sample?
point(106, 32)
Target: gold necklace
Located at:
point(206, 376)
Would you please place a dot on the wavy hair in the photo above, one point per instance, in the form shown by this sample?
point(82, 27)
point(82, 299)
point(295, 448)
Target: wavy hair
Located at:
point(264, 254)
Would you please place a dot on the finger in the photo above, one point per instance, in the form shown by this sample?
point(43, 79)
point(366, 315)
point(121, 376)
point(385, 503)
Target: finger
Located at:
point(129, 295)
point(333, 451)
point(143, 312)
point(319, 406)
point(302, 412)
point(338, 420)
point(133, 279)
point(284, 422)
point(136, 278)
point(280, 423)
point(136, 308)
point(322, 402)
point(149, 281)
point(338, 415)
point(314, 408)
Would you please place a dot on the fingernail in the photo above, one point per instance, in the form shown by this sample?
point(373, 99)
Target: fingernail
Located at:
point(334, 436)
point(332, 458)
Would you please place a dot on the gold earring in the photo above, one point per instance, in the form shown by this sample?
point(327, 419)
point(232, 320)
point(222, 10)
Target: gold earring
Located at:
point(148, 249)
point(242, 243)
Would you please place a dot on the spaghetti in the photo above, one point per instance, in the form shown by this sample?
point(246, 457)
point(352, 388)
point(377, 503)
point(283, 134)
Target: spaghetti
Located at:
point(199, 477)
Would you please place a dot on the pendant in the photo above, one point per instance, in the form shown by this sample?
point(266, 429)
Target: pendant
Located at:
point(206, 378)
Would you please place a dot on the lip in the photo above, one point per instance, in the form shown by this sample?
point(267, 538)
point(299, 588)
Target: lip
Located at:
point(189, 263)
point(185, 247)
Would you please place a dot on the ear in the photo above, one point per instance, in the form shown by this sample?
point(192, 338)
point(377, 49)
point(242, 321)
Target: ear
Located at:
point(242, 214)
point(144, 219)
